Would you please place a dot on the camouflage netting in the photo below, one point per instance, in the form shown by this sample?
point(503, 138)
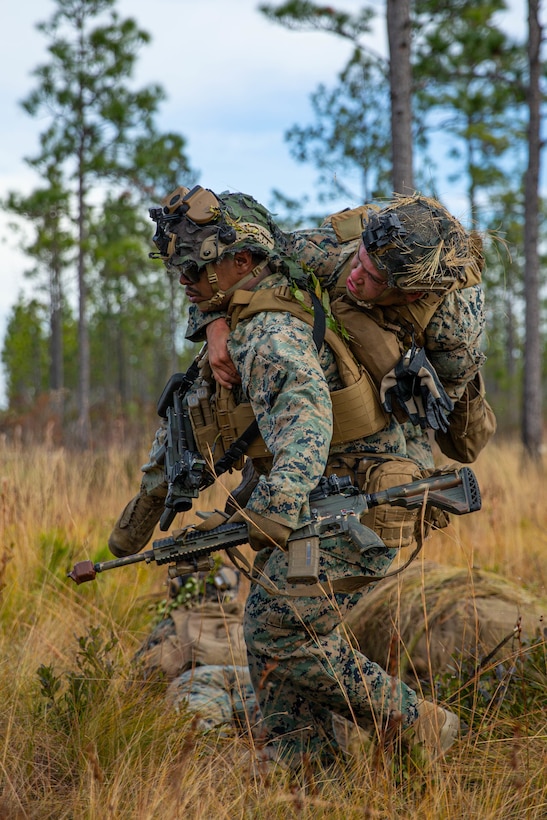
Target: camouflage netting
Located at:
point(422, 246)
point(466, 614)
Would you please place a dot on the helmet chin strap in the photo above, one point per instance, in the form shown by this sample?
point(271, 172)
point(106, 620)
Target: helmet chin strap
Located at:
point(361, 304)
point(219, 296)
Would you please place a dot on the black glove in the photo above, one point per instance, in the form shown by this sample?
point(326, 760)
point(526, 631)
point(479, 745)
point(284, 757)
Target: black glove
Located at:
point(414, 384)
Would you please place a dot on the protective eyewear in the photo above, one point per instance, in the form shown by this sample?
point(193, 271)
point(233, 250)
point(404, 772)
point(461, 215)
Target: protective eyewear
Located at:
point(189, 270)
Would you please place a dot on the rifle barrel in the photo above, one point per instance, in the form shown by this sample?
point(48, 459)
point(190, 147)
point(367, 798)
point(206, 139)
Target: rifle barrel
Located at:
point(86, 570)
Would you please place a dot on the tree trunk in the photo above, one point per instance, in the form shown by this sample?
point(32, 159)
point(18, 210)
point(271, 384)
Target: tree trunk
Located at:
point(400, 81)
point(532, 399)
point(56, 329)
point(56, 375)
point(84, 368)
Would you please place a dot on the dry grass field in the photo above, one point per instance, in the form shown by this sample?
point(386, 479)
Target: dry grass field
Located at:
point(79, 739)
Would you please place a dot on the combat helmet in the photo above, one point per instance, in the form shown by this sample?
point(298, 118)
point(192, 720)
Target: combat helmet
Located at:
point(197, 227)
point(421, 246)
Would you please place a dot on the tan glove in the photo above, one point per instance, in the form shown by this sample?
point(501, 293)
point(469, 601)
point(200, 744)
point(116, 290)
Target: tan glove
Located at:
point(263, 531)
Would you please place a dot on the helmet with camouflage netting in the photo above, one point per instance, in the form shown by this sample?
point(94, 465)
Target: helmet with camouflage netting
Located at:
point(196, 227)
point(421, 246)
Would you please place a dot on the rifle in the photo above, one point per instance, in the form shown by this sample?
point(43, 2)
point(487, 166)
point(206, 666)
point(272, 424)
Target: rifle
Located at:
point(186, 470)
point(336, 506)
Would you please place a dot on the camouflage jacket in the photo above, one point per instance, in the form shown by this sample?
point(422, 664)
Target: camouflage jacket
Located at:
point(288, 384)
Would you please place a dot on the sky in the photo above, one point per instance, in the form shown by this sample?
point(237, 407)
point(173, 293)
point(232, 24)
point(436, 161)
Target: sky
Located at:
point(235, 83)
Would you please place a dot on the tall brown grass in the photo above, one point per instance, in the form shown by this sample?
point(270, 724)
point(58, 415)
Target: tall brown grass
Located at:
point(97, 745)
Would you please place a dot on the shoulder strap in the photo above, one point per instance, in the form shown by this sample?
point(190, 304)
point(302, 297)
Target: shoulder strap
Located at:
point(418, 313)
point(347, 585)
point(247, 303)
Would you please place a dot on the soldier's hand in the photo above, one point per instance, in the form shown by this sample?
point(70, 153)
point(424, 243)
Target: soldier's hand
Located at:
point(436, 401)
point(414, 384)
point(221, 364)
point(263, 531)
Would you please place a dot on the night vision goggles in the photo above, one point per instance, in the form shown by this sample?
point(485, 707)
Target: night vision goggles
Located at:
point(196, 227)
point(199, 205)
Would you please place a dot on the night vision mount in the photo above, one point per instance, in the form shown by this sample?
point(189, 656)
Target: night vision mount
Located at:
point(200, 205)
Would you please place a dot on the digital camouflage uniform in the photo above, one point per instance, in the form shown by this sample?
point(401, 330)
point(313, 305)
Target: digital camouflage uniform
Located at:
point(222, 696)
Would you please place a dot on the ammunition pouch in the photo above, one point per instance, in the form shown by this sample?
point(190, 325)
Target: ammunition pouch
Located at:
point(472, 424)
point(203, 418)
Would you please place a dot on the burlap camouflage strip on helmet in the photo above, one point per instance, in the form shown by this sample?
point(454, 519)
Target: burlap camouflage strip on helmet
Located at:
point(421, 246)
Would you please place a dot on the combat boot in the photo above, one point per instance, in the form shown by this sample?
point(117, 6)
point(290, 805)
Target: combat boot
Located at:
point(435, 730)
point(135, 526)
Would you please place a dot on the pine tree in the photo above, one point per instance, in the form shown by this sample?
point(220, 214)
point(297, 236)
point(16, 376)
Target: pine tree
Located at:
point(100, 133)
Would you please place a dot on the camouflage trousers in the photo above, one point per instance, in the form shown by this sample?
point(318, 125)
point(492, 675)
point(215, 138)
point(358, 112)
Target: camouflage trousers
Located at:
point(302, 666)
point(221, 696)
